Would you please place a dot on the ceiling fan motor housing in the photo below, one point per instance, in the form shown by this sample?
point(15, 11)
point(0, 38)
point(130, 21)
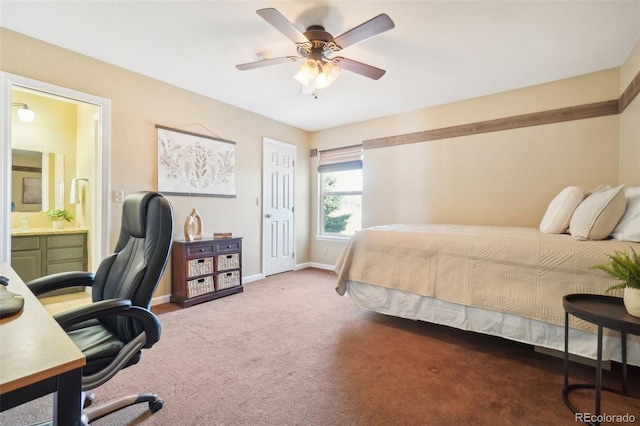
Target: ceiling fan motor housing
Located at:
point(320, 46)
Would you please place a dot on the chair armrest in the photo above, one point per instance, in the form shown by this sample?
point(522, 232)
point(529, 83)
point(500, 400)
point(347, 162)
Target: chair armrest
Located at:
point(52, 282)
point(113, 307)
point(92, 310)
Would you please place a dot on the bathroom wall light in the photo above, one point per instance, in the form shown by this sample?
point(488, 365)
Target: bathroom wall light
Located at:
point(24, 113)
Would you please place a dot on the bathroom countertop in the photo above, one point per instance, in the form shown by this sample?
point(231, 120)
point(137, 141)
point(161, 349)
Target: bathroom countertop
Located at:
point(45, 231)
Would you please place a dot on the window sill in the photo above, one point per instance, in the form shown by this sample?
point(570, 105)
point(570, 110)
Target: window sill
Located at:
point(344, 239)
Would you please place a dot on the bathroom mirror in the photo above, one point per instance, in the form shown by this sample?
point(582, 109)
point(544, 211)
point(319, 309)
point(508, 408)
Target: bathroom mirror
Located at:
point(37, 180)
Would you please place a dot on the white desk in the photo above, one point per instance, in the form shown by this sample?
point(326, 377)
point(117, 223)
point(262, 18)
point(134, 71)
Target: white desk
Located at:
point(37, 358)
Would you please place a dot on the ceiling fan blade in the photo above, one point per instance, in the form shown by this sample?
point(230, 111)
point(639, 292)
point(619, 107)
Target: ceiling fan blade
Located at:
point(372, 27)
point(360, 68)
point(282, 24)
point(266, 63)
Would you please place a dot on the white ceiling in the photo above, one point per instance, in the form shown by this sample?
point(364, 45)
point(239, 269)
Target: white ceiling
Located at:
point(439, 51)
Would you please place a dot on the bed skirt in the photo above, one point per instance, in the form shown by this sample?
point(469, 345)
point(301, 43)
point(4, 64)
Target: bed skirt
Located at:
point(416, 307)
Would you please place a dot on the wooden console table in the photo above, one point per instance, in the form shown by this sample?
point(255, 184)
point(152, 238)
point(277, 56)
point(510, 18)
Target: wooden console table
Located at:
point(205, 269)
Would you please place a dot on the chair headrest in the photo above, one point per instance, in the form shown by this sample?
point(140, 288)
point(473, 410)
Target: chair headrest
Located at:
point(134, 213)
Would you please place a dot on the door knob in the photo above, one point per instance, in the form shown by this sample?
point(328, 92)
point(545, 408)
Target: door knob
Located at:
point(267, 215)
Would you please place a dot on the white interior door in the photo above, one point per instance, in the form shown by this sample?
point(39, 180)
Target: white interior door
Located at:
point(278, 231)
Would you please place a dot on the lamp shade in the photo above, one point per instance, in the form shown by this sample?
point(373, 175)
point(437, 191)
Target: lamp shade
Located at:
point(25, 114)
point(331, 71)
point(328, 75)
point(309, 69)
point(300, 78)
point(321, 81)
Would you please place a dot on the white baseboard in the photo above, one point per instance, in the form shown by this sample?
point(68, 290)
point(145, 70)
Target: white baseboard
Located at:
point(321, 266)
point(160, 300)
point(250, 278)
point(301, 266)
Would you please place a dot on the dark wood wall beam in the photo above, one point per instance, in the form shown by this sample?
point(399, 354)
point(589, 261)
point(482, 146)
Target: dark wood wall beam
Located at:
point(630, 93)
point(598, 109)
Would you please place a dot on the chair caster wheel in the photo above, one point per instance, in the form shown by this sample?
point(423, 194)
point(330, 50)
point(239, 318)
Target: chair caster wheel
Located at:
point(88, 400)
point(155, 405)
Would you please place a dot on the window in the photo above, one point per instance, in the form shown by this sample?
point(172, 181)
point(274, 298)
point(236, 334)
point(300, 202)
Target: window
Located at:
point(340, 176)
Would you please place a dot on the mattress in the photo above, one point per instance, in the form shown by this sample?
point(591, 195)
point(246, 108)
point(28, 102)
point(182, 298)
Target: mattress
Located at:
point(511, 270)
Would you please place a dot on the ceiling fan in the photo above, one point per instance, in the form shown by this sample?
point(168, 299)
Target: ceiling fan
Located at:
point(317, 47)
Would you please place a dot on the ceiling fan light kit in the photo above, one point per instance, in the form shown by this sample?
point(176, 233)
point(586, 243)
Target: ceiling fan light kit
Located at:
point(316, 47)
point(318, 72)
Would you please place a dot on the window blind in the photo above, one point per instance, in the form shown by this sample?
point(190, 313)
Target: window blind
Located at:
point(340, 159)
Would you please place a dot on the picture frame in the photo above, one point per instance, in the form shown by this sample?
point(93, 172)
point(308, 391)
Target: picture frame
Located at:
point(190, 164)
point(31, 190)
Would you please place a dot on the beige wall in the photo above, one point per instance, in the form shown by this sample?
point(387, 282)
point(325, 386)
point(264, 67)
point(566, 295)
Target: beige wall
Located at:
point(499, 178)
point(630, 123)
point(504, 178)
point(139, 103)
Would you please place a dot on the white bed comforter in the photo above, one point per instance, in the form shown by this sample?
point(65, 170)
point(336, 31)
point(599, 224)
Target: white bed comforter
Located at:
point(514, 270)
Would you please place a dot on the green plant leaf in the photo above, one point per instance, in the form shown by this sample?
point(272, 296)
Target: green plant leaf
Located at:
point(59, 214)
point(624, 267)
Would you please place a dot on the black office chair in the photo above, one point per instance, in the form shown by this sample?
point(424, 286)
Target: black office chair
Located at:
point(113, 329)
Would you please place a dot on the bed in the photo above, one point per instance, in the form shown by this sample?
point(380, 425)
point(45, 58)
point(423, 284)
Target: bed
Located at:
point(502, 281)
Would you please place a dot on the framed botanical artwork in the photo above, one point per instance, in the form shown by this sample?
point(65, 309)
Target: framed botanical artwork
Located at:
point(195, 165)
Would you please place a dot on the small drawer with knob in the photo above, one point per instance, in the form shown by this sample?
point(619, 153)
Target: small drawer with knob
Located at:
point(228, 246)
point(200, 250)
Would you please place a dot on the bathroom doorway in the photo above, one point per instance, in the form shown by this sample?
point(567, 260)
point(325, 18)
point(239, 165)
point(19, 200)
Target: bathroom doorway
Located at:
point(58, 160)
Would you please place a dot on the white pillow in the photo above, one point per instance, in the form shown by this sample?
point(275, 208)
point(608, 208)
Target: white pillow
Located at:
point(597, 189)
point(597, 216)
point(556, 218)
point(628, 229)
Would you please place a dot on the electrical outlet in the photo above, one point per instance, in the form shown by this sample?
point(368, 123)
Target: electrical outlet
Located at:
point(324, 252)
point(117, 196)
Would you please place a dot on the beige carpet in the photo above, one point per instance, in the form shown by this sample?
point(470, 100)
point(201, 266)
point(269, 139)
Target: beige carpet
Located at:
point(290, 351)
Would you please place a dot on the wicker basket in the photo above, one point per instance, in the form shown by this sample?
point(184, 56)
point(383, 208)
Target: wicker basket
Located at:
point(200, 286)
point(198, 267)
point(227, 280)
point(224, 262)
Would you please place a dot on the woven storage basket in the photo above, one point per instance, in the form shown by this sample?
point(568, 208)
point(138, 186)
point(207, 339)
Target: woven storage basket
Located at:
point(200, 286)
point(224, 262)
point(202, 266)
point(227, 280)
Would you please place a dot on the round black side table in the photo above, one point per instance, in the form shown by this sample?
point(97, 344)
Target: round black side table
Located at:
point(604, 311)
